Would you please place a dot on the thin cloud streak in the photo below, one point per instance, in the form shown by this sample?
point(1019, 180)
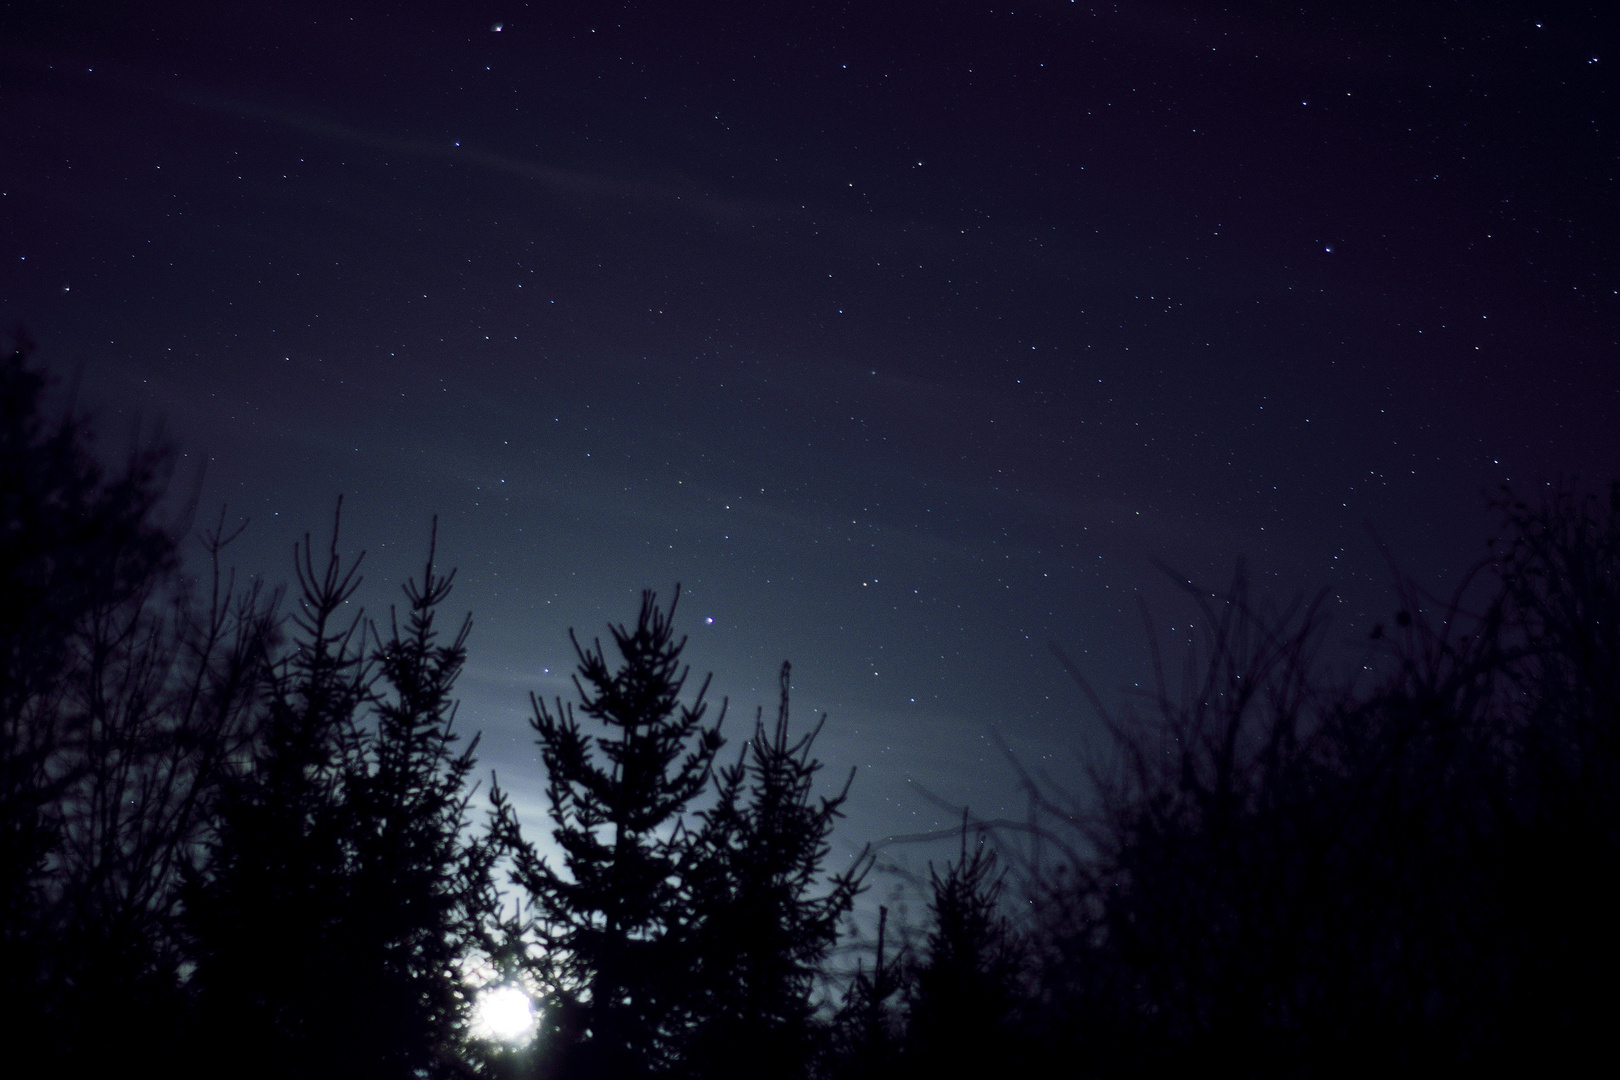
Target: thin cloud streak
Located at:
point(732, 212)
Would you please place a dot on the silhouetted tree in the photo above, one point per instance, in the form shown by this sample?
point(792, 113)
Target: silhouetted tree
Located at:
point(420, 905)
point(962, 994)
point(275, 988)
point(1204, 849)
point(608, 924)
point(759, 923)
point(867, 1035)
point(71, 542)
point(122, 693)
point(1264, 857)
point(343, 895)
point(170, 694)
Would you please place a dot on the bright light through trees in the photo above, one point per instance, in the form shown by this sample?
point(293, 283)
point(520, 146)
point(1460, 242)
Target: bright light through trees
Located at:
point(505, 1014)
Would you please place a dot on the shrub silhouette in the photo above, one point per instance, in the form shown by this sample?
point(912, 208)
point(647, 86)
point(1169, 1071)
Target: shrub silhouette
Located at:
point(1284, 876)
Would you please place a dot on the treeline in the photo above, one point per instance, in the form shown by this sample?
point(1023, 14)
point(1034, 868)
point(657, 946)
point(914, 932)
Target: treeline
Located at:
point(239, 836)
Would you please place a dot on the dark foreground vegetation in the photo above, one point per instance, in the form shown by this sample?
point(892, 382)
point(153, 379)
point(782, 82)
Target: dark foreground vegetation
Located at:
point(238, 836)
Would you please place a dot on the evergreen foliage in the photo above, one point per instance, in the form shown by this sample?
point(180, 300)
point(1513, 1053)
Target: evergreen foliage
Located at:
point(269, 912)
point(421, 898)
point(759, 932)
point(342, 896)
point(962, 995)
point(866, 1037)
point(608, 926)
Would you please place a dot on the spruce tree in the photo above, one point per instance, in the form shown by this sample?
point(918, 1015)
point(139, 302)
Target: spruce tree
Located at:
point(419, 904)
point(267, 912)
point(760, 924)
point(607, 921)
point(962, 994)
point(343, 895)
point(865, 1040)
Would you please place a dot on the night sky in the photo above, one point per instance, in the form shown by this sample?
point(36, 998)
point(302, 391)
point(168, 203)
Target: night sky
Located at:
point(910, 339)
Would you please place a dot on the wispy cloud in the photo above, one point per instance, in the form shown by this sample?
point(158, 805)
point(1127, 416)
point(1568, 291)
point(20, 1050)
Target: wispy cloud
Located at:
point(593, 185)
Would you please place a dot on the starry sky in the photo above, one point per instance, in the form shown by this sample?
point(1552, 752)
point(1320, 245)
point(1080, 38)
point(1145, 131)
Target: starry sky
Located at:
point(910, 339)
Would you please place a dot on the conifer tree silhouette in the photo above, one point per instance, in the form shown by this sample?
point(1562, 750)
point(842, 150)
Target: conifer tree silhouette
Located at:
point(268, 912)
point(608, 922)
point(866, 1037)
point(420, 904)
point(760, 919)
point(962, 993)
point(343, 895)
